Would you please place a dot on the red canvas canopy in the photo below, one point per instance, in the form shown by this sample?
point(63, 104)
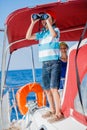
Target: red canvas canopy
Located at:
point(71, 90)
point(71, 17)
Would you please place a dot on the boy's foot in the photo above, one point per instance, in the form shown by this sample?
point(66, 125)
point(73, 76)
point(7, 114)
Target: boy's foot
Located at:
point(48, 114)
point(55, 118)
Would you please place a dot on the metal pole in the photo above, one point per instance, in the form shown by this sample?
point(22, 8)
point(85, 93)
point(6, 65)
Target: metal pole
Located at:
point(33, 67)
point(2, 77)
point(14, 103)
point(3, 64)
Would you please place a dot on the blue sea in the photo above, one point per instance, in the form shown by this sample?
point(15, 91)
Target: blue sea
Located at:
point(18, 78)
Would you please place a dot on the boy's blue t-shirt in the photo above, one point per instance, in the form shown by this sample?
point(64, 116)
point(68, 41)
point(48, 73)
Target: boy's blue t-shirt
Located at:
point(48, 46)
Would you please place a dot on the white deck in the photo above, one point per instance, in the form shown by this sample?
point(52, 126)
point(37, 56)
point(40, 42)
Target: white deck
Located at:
point(65, 124)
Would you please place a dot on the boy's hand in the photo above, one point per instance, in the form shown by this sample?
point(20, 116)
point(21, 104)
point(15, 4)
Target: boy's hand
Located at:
point(33, 21)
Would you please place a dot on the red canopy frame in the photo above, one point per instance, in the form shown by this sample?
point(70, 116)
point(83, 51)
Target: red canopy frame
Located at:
point(71, 17)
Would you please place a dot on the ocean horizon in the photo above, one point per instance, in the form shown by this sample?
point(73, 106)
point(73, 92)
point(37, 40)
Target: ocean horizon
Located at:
point(16, 78)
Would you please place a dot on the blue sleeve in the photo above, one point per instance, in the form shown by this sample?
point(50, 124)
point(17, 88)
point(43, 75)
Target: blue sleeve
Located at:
point(39, 35)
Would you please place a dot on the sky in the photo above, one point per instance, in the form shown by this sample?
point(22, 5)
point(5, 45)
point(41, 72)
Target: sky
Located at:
point(21, 59)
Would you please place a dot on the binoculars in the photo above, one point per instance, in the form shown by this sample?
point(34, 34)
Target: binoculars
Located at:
point(40, 16)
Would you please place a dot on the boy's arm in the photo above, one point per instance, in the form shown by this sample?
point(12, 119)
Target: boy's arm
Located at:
point(29, 34)
point(52, 31)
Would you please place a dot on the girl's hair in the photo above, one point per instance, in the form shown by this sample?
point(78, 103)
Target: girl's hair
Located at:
point(65, 44)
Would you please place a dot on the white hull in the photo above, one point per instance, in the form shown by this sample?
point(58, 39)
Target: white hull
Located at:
point(37, 122)
point(5, 115)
